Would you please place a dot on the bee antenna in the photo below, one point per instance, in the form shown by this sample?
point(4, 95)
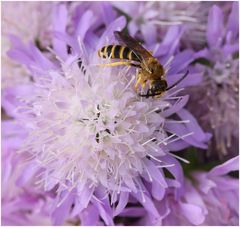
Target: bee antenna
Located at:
point(178, 81)
point(142, 95)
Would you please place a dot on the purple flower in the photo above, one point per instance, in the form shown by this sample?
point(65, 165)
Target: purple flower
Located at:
point(34, 26)
point(220, 193)
point(208, 198)
point(21, 204)
point(217, 96)
point(92, 140)
point(150, 20)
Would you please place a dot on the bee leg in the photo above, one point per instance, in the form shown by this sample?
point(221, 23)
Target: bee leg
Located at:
point(151, 84)
point(141, 81)
point(117, 64)
point(148, 93)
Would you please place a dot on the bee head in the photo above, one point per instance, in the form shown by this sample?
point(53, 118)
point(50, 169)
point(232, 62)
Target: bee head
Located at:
point(158, 86)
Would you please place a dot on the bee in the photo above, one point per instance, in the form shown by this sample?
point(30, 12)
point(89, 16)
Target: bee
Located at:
point(150, 70)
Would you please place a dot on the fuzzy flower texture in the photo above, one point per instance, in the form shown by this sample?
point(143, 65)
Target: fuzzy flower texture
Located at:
point(80, 147)
point(218, 94)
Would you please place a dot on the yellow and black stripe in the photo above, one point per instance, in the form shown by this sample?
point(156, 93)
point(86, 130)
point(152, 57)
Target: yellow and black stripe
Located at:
point(118, 52)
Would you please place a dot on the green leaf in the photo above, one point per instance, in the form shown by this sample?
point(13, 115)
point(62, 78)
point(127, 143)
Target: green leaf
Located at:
point(197, 162)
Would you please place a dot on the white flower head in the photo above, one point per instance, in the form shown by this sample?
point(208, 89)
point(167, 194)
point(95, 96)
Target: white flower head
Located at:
point(93, 133)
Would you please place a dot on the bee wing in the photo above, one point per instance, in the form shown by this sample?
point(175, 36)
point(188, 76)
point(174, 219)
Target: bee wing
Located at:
point(134, 45)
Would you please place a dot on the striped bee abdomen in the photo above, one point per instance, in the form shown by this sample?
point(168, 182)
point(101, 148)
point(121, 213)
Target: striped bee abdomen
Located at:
point(118, 52)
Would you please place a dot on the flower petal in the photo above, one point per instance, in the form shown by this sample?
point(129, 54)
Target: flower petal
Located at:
point(123, 200)
point(176, 106)
point(193, 125)
point(181, 61)
point(233, 20)
point(215, 26)
point(193, 213)
point(59, 24)
point(228, 166)
point(10, 102)
point(61, 212)
point(149, 33)
point(82, 200)
point(144, 198)
point(155, 173)
point(102, 203)
point(116, 25)
point(89, 216)
point(158, 192)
